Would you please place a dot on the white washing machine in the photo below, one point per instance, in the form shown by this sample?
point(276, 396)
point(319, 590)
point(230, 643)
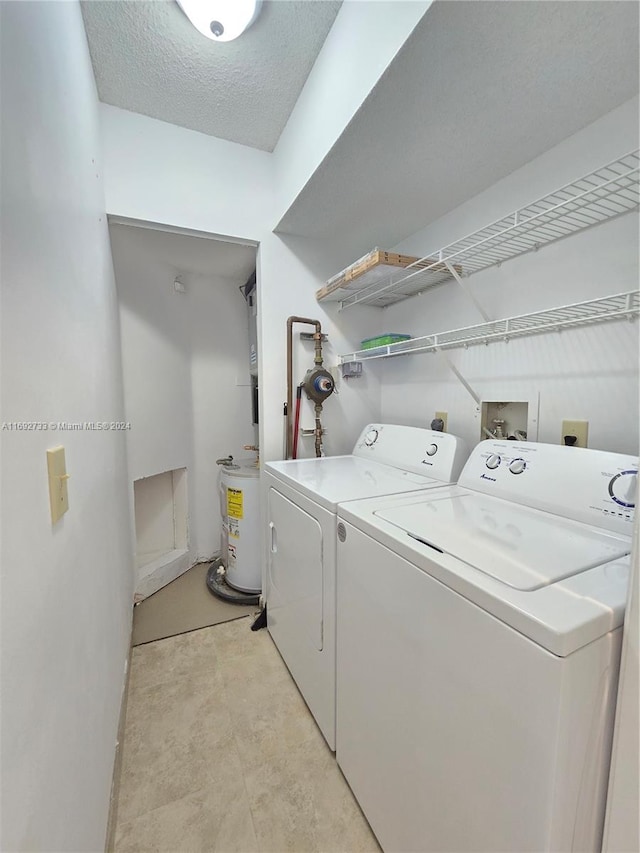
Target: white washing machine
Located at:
point(479, 632)
point(301, 500)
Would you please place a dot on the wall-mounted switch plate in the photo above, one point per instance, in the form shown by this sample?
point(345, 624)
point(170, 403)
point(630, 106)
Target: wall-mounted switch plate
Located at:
point(443, 417)
point(578, 428)
point(58, 495)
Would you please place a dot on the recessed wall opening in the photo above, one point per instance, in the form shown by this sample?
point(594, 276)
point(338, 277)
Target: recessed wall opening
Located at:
point(505, 419)
point(160, 504)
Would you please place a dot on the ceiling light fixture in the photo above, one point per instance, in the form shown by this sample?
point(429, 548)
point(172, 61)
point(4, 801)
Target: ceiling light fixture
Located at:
point(221, 20)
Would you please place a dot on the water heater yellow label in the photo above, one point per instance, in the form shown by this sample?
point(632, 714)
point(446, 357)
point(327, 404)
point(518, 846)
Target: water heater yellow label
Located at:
point(234, 503)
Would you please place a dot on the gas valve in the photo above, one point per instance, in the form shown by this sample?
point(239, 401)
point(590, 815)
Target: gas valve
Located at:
point(318, 384)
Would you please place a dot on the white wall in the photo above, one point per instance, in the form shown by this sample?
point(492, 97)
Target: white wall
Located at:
point(363, 41)
point(158, 172)
point(154, 515)
point(156, 369)
point(186, 378)
point(222, 415)
point(289, 270)
point(611, 136)
point(586, 374)
point(66, 589)
point(156, 342)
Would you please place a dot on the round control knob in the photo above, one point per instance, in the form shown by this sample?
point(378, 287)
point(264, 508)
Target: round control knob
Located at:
point(493, 461)
point(517, 466)
point(622, 488)
point(432, 450)
point(371, 437)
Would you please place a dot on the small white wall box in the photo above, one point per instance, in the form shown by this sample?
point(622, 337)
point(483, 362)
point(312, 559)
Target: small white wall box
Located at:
point(504, 418)
point(351, 369)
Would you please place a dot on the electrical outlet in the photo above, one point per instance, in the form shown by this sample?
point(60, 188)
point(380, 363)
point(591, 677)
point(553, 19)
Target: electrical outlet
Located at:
point(443, 417)
point(578, 428)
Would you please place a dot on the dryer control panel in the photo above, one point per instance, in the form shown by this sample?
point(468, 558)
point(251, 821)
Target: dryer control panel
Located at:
point(592, 486)
point(423, 451)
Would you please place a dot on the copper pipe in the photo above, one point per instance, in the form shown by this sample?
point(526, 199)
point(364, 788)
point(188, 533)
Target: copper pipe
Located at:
point(296, 422)
point(318, 360)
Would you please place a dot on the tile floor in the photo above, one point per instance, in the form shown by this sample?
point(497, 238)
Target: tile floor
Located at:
point(221, 753)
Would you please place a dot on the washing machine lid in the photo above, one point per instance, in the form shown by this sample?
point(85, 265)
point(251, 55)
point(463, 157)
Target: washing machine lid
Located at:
point(524, 548)
point(331, 480)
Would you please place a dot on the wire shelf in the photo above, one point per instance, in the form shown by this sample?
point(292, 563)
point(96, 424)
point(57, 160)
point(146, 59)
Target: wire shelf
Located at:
point(619, 306)
point(602, 195)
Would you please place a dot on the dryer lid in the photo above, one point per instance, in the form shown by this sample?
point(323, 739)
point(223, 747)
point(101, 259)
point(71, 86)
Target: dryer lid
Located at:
point(524, 548)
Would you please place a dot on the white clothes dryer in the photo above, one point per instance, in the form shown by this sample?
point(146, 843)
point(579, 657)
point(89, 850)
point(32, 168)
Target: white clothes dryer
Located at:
point(479, 632)
point(302, 497)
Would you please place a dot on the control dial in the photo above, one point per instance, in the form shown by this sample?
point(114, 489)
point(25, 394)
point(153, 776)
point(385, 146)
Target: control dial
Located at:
point(517, 466)
point(493, 461)
point(432, 449)
point(371, 437)
point(622, 488)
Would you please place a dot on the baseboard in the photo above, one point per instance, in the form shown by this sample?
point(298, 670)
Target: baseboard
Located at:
point(117, 763)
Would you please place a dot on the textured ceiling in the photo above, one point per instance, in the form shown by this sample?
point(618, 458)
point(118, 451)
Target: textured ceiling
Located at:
point(148, 58)
point(478, 90)
point(187, 254)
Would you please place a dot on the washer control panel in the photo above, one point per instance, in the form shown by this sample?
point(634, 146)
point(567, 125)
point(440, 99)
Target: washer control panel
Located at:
point(592, 486)
point(438, 455)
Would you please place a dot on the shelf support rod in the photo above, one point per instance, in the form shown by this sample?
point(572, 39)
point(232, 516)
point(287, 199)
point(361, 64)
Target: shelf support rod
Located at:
point(453, 272)
point(457, 373)
point(464, 383)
